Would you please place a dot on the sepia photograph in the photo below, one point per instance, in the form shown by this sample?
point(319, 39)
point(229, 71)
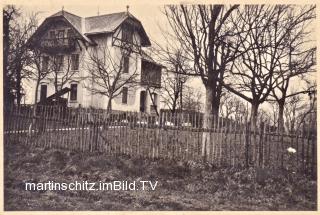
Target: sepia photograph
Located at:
point(159, 107)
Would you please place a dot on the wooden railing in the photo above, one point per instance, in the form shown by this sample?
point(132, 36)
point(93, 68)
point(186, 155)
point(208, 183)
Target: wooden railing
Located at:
point(64, 44)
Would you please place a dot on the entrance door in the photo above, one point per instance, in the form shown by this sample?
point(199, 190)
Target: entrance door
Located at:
point(143, 101)
point(43, 92)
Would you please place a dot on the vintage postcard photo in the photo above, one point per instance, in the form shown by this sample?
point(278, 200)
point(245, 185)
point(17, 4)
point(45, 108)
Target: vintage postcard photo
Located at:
point(159, 107)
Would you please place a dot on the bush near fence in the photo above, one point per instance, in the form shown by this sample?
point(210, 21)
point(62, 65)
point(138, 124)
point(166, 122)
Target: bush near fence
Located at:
point(233, 143)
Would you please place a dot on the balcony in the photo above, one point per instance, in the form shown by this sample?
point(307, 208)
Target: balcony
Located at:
point(150, 74)
point(57, 45)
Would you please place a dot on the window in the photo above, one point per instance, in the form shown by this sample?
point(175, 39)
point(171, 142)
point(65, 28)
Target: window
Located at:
point(125, 64)
point(74, 90)
point(60, 38)
point(52, 34)
point(43, 92)
point(125, 95)
point(58, 62)
point(45, 63)
point(75, 62)
point(61, 34)
point(127, 34)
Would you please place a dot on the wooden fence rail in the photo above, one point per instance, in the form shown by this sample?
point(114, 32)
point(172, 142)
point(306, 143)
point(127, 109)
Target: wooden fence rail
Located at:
point(229, 142)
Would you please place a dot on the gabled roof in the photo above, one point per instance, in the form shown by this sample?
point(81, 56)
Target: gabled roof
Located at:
point(107, 23)
point(104, 23)
point(73, 19)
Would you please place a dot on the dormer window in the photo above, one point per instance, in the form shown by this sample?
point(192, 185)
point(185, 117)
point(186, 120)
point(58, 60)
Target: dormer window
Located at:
point(60, 34)
point(52, 34)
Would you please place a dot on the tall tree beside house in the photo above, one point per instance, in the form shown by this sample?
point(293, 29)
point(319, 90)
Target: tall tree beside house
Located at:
point(206, 34)
point(17, 30)
point(109, 73)
point(9, 13)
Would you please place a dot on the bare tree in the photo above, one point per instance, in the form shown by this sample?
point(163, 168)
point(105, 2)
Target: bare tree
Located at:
point(18, 28)
point(256, 72)
point(38, 73)
point(172, 87)
point(62, 69)
point(38, 70)
point(192, 99)
point(9, 14)
point(294, 107)
point(209, 39)
point(206, 34)
point(177, 65)
point(109, 72)
point(297, 109)
point(298, 62)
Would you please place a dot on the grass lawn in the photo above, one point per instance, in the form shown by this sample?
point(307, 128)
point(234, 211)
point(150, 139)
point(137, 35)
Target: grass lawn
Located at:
point(180, 186)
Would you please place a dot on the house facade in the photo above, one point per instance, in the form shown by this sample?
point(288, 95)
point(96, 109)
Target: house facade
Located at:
point(87, 61)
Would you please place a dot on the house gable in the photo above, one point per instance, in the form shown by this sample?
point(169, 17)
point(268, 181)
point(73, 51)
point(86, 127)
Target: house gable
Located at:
point(111, 23)
point(54, 21)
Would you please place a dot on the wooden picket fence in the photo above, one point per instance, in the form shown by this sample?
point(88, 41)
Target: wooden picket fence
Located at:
point(232, 143)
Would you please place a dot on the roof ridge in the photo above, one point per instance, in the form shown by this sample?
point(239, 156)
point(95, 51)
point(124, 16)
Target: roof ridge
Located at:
point(72, 14)
point(109, 14)
point(64, 11)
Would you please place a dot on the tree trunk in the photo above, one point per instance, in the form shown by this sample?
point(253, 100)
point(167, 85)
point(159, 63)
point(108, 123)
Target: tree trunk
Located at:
point(174, 106)
point(254, 114)
point(18, 85)
point(109, 106)
point(207, 123)
point(181, 97)
point(280, 116)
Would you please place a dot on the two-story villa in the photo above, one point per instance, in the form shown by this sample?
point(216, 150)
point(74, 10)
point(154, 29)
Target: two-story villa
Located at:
point(69, 44)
